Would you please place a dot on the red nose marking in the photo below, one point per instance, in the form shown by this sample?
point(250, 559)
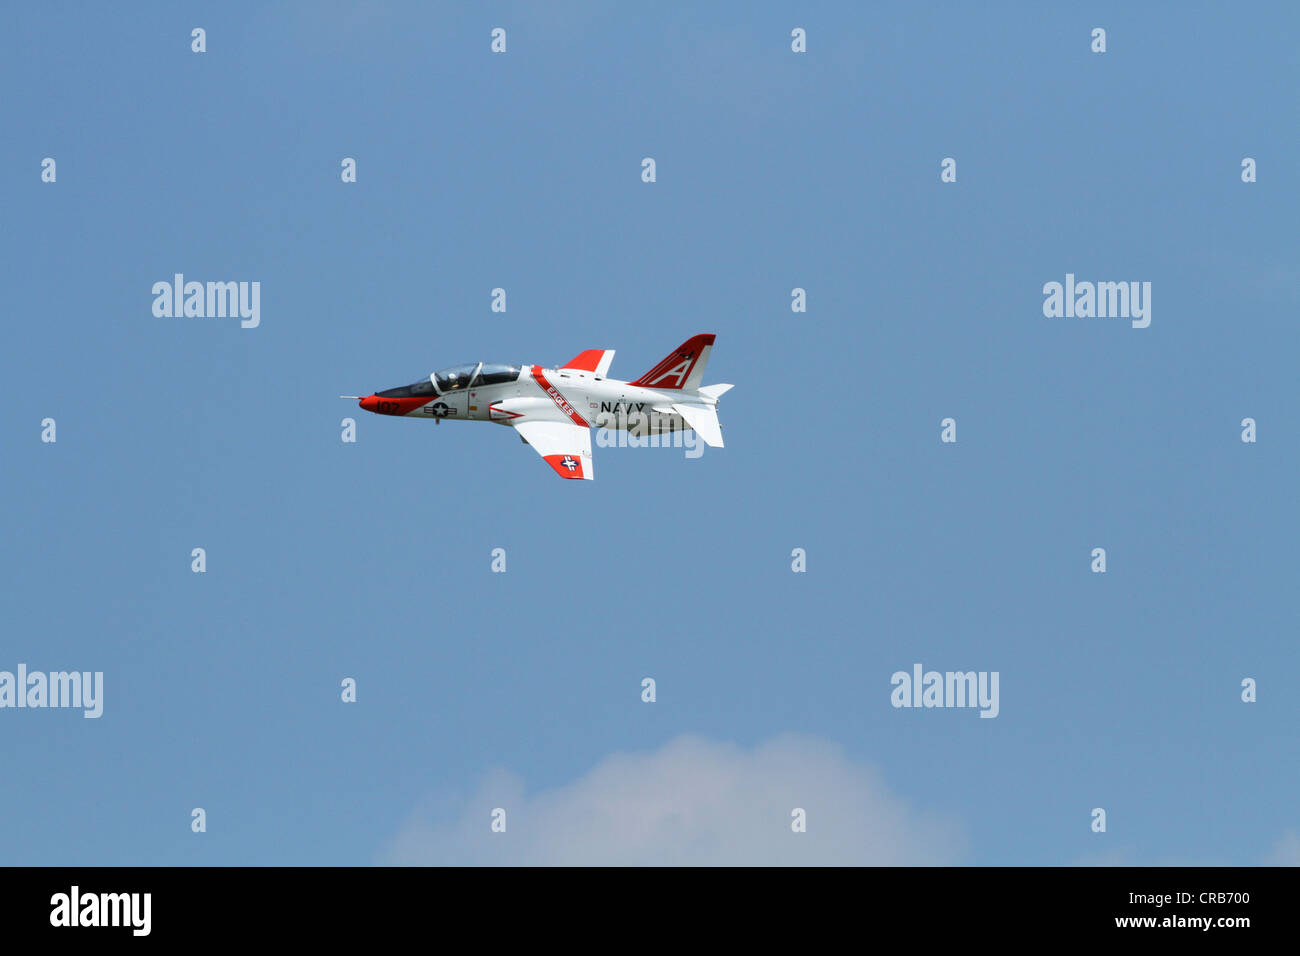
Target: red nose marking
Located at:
point(392, 406)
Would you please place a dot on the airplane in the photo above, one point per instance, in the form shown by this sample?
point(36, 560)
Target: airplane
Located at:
point(553, 410)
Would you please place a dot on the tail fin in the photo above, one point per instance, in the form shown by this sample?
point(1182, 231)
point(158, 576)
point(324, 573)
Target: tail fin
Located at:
point(684, 366)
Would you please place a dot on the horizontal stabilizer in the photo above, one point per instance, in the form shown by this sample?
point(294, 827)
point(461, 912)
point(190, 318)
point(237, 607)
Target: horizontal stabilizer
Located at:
point(715, 391)
point(703, 419)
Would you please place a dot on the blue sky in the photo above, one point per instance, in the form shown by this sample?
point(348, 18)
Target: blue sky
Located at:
point(775, 170)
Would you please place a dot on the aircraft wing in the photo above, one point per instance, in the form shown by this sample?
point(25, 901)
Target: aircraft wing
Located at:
point(565, 446)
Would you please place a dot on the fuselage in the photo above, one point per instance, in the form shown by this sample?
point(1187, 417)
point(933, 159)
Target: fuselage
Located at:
point(469, 393)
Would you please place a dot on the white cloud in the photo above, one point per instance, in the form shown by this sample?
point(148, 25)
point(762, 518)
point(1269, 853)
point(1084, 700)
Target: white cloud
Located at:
point(692, 802)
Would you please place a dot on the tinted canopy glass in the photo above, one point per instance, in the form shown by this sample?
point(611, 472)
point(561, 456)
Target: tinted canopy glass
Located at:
point(450, 379)
point(420, 388)
point(458, 376)
point(498, 374)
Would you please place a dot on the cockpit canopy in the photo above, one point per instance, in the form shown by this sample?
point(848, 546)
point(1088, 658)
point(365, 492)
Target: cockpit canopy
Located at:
point(454, 379)
point(419, 389)
point(462, 376)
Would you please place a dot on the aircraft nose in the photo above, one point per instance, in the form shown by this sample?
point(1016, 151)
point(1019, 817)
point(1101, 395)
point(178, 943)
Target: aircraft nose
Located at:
point(370, 403)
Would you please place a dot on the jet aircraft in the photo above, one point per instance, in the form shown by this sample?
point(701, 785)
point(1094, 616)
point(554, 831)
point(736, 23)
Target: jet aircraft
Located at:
point(554, 409)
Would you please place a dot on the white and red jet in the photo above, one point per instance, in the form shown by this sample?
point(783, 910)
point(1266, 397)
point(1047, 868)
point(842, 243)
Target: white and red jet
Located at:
point(554, 409)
